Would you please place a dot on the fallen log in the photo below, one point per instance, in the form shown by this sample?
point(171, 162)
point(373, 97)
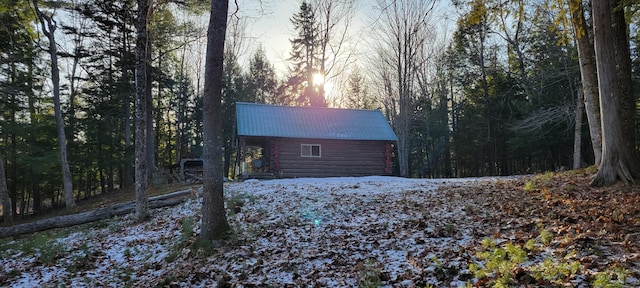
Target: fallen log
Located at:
point(94, 215)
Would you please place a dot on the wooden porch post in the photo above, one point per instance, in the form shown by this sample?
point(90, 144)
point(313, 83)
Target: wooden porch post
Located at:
point(242, 154)
point(387, 157)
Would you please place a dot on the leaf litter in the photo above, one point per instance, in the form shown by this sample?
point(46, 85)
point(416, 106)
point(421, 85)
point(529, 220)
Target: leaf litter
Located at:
point(360, 232)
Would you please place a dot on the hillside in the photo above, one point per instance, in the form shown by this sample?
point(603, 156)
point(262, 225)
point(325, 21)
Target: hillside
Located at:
point(549, 230)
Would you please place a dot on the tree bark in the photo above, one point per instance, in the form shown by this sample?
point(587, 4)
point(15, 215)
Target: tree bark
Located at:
point(588, 72)
point(126, 107)
point(48, 28)
point(214, 219)
point(617, 155)
point(623, 62)
point(151, 143)
point(5, 200)
point(491, 153)
point(92, 216)
point(577, 132)
point(141, 168)
point(404, 31)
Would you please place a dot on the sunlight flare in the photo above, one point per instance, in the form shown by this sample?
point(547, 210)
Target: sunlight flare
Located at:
point(318, 78)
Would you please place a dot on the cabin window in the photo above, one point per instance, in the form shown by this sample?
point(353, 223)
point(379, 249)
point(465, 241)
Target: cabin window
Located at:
point(310, 150)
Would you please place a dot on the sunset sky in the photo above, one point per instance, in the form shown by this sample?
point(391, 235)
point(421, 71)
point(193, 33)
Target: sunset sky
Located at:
point(270, 25)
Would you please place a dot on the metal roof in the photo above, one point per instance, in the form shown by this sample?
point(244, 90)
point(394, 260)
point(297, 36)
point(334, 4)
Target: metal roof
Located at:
point(312, 122)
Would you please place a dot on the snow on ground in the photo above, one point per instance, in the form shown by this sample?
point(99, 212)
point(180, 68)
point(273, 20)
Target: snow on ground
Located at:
point(332, 232)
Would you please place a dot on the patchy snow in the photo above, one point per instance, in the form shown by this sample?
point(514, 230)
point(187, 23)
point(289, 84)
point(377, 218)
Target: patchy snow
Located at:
point(334, 232)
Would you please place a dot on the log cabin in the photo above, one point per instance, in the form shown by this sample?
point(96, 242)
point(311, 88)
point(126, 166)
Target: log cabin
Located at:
point(312, 141)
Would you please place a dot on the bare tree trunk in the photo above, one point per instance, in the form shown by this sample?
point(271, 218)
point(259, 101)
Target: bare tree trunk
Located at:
point(588, 72)
point(577, 132)
point(214, 219)
point(617, 155)
point(142, 180)
point(404, 32)
point(151, 143)
point(491, 156)
point(5, 200)
point(48, 28)
point(623, 64)
point(126, 107)
point(335, 18)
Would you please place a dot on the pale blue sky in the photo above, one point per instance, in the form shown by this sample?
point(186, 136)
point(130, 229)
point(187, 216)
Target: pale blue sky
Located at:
point(270, 25)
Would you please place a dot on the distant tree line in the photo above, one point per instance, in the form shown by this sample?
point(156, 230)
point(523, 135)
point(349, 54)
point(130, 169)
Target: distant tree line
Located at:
point(499, 93)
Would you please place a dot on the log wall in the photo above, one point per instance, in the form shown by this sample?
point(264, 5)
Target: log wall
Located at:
point(338, 158)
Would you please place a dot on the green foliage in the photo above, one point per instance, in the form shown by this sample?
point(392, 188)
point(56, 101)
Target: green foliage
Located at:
point(305, 56)
point(546, 237)
point(44, 246)
point(498, 262)
point(530, 245)
point(556, 272)
point(186, 235)
point(545, 178)
point(202, 249)
point(370, 274)
point(262, 80)
point(235, 202)
point(530, 186)
point(614, 278)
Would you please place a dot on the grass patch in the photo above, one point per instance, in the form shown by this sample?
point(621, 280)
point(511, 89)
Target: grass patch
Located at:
point(44, 246)
point(370, 274)
point(236, 201)
point(186, 235)
point(202, 249)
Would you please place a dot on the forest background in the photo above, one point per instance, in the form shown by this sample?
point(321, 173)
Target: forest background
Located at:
point(497, 91)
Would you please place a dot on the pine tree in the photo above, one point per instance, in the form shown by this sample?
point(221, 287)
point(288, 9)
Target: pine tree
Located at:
point(304, 55)
point(356, 92)
point(262, 78)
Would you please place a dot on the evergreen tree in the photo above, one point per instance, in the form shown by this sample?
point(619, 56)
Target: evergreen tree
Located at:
point(304, 55)
point(20, 77)
point(356, 94)
point(234, 89)
point(262, 79)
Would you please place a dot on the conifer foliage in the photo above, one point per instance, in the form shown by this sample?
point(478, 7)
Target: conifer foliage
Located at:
point(304, 55)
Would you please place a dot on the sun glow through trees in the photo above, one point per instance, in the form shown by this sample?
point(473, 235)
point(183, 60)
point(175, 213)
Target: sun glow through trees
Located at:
point(320, 79)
